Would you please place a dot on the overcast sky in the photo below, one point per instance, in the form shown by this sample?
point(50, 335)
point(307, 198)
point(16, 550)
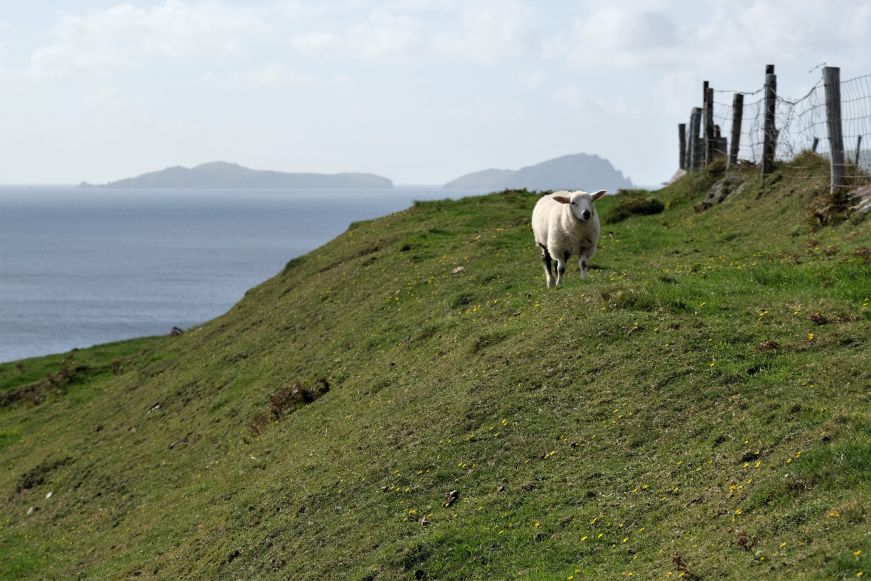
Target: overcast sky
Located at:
point(420, 91)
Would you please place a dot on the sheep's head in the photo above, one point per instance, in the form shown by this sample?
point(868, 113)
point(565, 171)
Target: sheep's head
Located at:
point(581, 203)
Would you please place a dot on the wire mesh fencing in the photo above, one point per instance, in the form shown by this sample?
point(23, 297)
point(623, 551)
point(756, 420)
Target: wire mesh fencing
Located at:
point(799, 133)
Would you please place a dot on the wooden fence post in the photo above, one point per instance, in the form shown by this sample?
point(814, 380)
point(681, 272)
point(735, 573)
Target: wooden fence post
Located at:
point(695, 143)
point(816, 143)
point(858, 149)
point(689, 151)
point(769, 139)
point(737, 116)
point(832, 82)
point(682, 149)
point(709, 124)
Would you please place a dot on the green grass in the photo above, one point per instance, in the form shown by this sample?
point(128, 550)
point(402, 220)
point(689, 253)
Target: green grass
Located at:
point(682, 409)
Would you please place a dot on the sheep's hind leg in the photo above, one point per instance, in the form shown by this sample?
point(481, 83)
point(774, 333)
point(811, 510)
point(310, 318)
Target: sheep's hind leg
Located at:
point(545, 258)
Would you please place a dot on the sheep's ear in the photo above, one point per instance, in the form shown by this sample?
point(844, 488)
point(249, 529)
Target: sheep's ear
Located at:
point(561, 199)
point(599, 194)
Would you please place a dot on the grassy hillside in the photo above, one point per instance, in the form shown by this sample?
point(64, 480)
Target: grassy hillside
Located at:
point(698, 406)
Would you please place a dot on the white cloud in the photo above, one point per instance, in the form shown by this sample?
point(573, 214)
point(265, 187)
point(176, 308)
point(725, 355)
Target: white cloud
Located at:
point(388, 36)
point(323, 43)
point(534, 79)
point(677, 91)
point(125, 34)
point(729, 35)
point(481, 31)
point(782, 31)
point(589, 101)
point(277, 74)
point(382, 36)
point(490, 31)
point(619, 37)
point(103, 97)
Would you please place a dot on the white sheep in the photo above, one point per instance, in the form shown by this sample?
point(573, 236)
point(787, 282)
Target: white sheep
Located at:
point(565, 223)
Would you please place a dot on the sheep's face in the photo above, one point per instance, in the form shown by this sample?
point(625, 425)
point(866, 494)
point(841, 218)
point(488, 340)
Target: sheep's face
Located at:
point(581, 203)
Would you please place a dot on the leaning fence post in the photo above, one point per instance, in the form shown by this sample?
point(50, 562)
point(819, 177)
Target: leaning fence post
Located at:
point(816, 143)
point(737, 115)
point(769, 139)
point(858, 149)
point(709, 124)
point(832, 83)
point(695, 143)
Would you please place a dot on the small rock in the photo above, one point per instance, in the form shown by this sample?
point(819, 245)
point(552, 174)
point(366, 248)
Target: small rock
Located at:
point(729, 185)
point(424, 522)
point(177, 443)
point(48, 494)
point(677, 175)
point(458, 269)
point(451, 497)
point(32, 510)
point(539, 536)
point(862, 199)
point(501, 488)
point(176, 331)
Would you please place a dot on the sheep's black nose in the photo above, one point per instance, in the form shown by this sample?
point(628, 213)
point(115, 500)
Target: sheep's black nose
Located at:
point(586, 214)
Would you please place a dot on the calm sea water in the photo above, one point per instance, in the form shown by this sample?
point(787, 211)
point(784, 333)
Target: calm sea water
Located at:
point(82, 267)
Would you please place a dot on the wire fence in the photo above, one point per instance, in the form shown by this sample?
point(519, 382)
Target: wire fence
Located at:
point(800, 126)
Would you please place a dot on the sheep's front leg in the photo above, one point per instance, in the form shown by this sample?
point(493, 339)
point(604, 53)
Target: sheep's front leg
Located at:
point(545, 258)
point(582, 264)
point(561, 267)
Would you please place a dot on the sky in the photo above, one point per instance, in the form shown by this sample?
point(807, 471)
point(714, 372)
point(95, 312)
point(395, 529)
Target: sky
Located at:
point(420, 91)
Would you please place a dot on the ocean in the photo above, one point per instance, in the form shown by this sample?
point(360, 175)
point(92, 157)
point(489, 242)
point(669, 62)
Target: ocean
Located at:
point(79, 267)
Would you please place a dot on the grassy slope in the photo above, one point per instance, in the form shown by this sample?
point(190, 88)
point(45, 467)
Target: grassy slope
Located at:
point(627, 424)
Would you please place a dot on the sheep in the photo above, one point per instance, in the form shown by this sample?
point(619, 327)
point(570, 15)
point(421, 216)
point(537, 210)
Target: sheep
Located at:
point(565, 223)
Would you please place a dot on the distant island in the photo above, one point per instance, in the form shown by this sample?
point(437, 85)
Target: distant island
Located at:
point(223, 175)
point(571, 172)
